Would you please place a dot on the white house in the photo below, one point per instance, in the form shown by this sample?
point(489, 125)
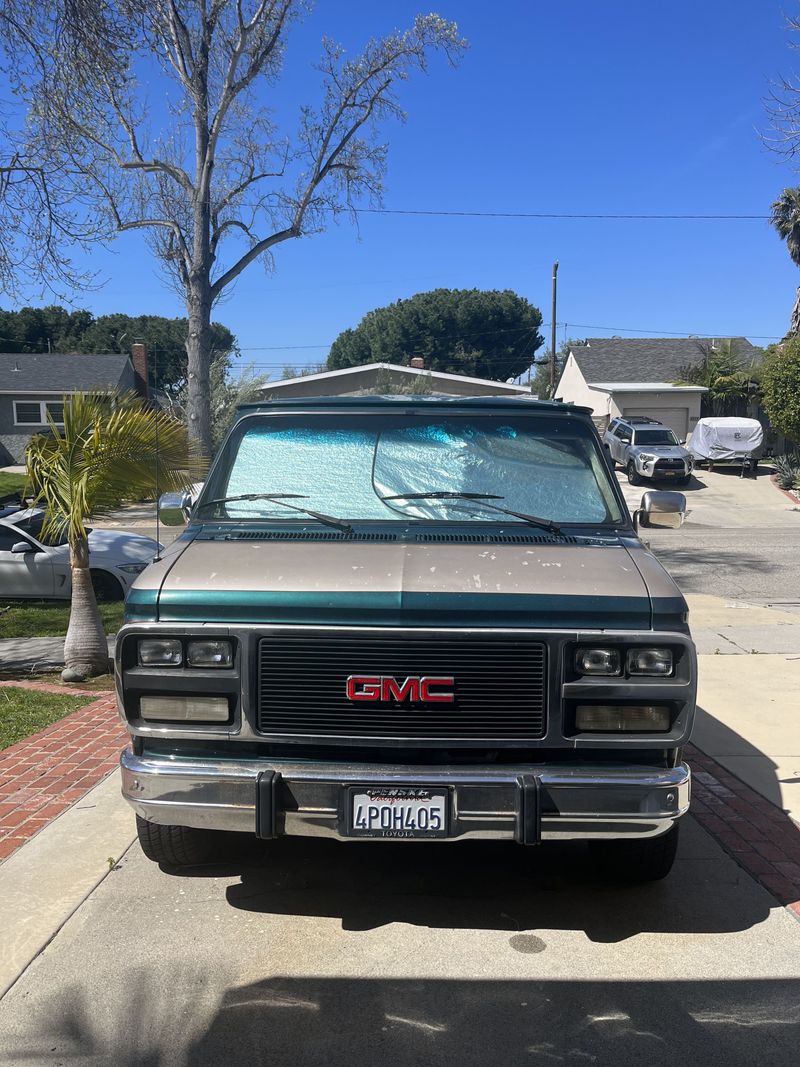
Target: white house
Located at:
point(374, 377)
point(636, 376)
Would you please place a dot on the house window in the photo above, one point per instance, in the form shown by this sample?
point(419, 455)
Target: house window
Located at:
point(35, 412)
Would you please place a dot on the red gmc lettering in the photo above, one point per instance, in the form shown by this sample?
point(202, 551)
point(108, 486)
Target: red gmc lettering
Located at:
point(386, 688)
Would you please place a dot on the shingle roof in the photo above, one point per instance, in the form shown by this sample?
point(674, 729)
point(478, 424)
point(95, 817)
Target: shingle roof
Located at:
point(46, 371)
point(647, 359)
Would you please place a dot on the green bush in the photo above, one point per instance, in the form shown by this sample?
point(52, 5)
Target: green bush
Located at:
point(787, 471)
point(781, 388)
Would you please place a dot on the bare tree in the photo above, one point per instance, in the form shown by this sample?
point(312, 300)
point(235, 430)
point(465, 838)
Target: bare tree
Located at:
point(219, 186)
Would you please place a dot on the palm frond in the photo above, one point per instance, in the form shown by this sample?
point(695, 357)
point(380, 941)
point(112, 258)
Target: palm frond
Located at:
point(111, 449)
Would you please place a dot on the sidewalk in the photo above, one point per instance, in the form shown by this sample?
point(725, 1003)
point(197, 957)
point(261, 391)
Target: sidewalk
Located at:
point(31, 654)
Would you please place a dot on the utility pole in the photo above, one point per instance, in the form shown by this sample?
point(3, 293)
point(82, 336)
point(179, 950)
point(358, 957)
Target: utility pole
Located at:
point(553, 334)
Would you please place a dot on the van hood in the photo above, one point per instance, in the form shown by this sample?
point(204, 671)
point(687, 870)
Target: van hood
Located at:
point(578, 583)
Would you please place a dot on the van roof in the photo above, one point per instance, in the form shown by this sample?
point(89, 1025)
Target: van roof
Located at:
point(503, 403)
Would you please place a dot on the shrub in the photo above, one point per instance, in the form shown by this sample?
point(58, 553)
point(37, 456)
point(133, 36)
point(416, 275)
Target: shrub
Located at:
point(781, 388)
point(787, 470)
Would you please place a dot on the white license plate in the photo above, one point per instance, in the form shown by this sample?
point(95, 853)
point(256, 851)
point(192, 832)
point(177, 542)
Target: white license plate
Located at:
point(392, 812)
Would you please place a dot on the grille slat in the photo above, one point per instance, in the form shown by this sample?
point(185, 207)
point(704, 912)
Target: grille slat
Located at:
point(500, 687)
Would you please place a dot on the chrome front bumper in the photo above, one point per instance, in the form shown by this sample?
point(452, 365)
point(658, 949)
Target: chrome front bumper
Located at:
point(577, 802)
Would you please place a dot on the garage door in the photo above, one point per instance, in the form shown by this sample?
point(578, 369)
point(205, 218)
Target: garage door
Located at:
point(676, 418)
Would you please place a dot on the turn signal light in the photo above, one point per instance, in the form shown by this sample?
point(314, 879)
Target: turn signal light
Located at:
point(616, 718)
point(184, 709)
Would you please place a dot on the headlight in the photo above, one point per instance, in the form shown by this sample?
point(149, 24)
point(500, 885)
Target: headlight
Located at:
point(160, 652)
point(650, 661)
point(646, 457)
point(184, 709)
point(132, 568)
point(597, 661)
point(613, 718)
point(209, 653)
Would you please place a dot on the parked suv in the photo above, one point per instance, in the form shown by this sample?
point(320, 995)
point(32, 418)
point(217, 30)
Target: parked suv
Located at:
point(410, 618)
point(646, 449)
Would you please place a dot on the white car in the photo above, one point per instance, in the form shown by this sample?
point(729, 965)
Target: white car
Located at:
point(33, 567)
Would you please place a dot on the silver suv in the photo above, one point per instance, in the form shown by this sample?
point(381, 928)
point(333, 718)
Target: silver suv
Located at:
point(646, 449)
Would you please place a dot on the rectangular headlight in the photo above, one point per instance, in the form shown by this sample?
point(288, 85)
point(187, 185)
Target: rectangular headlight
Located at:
point(160, 652)
point(209, 653)
point(615, 718)
point(650, 661)
point(597, 661)
point(184, 709)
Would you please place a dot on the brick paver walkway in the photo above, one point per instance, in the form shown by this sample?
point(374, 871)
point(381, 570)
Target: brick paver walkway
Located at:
point(756, 833)
point(44, 774)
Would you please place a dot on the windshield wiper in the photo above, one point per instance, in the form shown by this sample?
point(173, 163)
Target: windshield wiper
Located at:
point(483, 500)
point(281, 499)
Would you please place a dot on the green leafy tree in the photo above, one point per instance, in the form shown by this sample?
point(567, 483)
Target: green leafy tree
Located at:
point(54, 329)
point(486, 334)
point(107, 452)
point(780, 383)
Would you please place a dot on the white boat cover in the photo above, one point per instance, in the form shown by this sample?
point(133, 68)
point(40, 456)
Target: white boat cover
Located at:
point(721, 438)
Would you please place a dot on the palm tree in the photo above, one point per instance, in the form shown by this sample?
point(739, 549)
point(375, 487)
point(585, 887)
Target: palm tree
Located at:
point(111, 449)
point(786, 220)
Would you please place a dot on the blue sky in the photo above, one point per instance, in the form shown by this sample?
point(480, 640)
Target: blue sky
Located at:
point(566, 106)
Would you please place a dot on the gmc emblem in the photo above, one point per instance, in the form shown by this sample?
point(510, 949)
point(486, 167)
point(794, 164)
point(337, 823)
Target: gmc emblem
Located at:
point(374, 688)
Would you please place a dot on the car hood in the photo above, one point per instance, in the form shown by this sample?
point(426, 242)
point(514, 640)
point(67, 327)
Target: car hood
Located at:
point(663, 451)
point(574, 583)
point(121, 547)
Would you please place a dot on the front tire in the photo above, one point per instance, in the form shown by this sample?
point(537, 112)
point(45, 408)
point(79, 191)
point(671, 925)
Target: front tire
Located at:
point(633, 475)
point(647, 860)
point(181, 846)
point(106, 587)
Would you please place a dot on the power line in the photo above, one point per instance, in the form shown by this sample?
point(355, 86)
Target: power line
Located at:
point(700, 334)
point(557, 215)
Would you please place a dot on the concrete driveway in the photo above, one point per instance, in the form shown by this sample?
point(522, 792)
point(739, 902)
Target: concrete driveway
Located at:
point(340, 955)
point(722, 499)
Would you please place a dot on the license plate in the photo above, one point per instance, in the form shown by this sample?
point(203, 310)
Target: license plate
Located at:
point(397, 812)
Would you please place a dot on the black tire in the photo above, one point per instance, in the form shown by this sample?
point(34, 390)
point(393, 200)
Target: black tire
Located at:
point(182, 846)
point(647, 860)
point(633, 476)
point(106, 586)
point(683, 481)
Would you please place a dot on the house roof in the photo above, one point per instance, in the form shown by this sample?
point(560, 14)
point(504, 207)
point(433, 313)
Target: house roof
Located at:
point(411, 372)
point(53, 372)
point(646, 387)
point(647, 359)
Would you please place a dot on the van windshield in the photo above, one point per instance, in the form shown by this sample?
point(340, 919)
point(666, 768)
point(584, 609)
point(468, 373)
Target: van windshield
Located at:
point(342, 465)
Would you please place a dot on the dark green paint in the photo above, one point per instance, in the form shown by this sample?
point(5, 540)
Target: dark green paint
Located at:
point(404, 609)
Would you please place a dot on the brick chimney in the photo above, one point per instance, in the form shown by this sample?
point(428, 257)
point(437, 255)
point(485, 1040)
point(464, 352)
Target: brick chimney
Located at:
point(418, 362)
point(139, 361)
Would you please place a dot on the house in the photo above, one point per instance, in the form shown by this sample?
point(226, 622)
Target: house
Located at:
point(390, 378)
point(33, 386)
point(636, 376)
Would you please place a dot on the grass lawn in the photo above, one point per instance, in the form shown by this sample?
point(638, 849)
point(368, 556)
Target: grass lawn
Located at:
point(23, 712)
point(11, 483)
point(49, 618)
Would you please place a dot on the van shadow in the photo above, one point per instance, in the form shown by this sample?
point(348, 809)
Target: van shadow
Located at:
point(309, 1021)
point(712, 735)
point(494, 886)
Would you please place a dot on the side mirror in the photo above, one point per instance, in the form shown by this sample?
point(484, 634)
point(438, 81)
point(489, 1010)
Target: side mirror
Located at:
point(661, 509)
point(174, 508)
point(21, 547)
